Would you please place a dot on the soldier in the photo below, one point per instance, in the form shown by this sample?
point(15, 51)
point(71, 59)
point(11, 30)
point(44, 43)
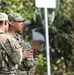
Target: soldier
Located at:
point(10, 50)
point(16, 25)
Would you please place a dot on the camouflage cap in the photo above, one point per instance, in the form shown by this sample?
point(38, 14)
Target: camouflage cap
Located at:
point(15, 17)
point(3, 16)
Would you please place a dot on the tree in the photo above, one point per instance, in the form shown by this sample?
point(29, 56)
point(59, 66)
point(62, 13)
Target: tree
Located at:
point(24, 7)
point(62, 37)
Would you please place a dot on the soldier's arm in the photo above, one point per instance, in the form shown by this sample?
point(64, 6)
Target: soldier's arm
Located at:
point(13, 51)
point(29, 60)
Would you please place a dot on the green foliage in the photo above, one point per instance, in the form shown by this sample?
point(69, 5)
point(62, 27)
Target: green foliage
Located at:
point(66, 8)
point(70, 73)
point(40, 67)
point(24, 7)
point(61, 32)
point(62, 37)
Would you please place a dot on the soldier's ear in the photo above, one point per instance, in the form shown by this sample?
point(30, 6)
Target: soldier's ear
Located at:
point(11, 23)
point(6, 22)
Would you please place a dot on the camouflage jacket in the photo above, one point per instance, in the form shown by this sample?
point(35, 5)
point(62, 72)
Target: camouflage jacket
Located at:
point(29, 62)
point(10, 54)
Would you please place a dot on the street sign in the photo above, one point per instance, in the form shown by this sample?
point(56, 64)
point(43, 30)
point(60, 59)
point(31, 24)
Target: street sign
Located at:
point(45, 3)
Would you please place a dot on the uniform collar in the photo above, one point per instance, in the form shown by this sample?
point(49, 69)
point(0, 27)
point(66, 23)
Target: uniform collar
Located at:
point(1, 31)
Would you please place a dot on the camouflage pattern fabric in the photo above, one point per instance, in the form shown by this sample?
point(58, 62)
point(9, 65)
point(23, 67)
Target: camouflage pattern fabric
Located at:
point(23, 72)
point(28, 63)
point(11, 52)
point(7, 74)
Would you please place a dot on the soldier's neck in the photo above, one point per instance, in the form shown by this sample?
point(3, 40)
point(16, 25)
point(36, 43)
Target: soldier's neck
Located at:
point(12, 32)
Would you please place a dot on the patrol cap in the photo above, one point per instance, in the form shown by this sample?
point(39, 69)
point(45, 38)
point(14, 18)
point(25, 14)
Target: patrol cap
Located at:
point(15, 17)
point(3, 17)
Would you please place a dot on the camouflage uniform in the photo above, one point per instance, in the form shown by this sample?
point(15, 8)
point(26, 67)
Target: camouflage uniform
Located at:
point(10, 55)
point(10, 50)
point(27, 64)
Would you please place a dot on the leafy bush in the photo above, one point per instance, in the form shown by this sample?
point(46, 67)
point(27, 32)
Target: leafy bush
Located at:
point(40, 67)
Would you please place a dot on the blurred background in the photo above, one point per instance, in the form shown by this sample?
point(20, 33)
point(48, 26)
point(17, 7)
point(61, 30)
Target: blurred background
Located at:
point(61, 33)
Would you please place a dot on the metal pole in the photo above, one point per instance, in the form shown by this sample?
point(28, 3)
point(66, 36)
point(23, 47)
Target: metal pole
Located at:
point(47, 42)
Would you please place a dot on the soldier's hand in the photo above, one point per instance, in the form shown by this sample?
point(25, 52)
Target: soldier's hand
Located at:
point(27, 53)
point(36, 53)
